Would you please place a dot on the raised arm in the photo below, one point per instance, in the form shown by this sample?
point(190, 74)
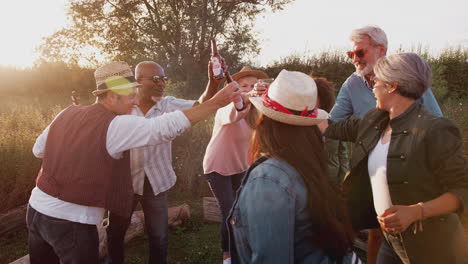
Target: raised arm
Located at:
point(346, 130)
point(211, 87)
point(220, 99)
point(127, 132)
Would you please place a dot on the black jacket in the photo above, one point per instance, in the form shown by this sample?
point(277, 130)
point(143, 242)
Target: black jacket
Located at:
point(425, 159)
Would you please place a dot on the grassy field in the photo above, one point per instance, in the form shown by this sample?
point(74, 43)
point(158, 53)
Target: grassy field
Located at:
point(21, 121)
point(193, 242)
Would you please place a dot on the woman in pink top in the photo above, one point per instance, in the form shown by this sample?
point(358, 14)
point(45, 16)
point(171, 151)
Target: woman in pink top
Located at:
point(226, 157)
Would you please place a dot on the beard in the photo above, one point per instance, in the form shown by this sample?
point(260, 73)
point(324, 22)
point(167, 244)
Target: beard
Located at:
point(369, 68)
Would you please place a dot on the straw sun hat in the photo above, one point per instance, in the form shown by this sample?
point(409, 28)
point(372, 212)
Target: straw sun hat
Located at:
point(115, 76)
point(291, 99)
point(248, 71)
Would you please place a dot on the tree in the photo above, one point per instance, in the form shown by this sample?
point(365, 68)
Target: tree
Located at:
point(175, 33)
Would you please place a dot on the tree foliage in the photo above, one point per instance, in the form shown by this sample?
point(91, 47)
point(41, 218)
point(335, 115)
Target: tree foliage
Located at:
point(175, 33)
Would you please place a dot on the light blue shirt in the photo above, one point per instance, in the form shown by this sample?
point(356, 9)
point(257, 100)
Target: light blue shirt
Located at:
point(356, 97)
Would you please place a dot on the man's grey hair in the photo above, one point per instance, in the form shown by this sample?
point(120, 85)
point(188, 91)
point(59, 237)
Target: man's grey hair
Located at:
point(140, 66)
point(377, 35)
point(412, 73)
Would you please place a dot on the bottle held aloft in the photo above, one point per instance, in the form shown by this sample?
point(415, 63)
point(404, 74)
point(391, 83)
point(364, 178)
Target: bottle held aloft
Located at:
point(220, 70)
point(216, 61)
point(239, 104)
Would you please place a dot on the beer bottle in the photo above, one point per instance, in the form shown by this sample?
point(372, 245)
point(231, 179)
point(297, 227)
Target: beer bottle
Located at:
point(220, 71)
point(239, 105)
point(216, 62)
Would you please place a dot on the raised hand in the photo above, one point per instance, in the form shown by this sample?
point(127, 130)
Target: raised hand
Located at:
point(259, 88)
point(228, 94)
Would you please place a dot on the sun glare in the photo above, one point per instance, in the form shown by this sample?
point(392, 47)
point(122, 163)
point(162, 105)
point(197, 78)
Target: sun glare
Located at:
point(23, 23)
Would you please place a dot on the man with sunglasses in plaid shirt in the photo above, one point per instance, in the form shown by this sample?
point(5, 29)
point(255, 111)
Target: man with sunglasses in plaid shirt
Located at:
point(356, 98)
point(151, 167)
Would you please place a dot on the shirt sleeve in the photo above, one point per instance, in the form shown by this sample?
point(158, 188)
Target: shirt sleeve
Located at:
point(39, 145)
point(429, 101)
point(229, 114)
point(127, 131)
point(271, 221)
point(174, 104)
point(346, 130)
point(343, 107)
point(446, 158)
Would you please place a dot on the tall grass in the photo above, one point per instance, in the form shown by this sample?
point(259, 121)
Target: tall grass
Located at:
point(20, 124)
point(36, 95)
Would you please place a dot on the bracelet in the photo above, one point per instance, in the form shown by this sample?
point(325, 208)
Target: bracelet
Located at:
point(418, 226)
point(422, 210)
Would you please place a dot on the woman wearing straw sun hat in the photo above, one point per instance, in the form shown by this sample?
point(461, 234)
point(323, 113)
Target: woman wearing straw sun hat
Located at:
point(226, 157)
point(287, 210)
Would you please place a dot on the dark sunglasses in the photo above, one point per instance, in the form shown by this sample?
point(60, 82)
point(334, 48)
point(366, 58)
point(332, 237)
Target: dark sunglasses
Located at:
point(359, 53)
point(157, 78)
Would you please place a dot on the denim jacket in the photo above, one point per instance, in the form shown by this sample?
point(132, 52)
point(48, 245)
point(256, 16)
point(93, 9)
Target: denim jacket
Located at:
point(269, 221)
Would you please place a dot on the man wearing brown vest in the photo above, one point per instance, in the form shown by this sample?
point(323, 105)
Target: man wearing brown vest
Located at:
point(86, 167)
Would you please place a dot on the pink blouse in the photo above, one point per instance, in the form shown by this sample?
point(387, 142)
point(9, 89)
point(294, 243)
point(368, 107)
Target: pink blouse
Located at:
point(227, 152)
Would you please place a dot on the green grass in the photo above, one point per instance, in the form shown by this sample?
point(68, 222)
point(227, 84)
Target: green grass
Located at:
point(14, 246)
point(22, 119)
point(193, 242)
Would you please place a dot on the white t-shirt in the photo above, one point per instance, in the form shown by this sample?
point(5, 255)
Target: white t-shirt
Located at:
point(377, 167)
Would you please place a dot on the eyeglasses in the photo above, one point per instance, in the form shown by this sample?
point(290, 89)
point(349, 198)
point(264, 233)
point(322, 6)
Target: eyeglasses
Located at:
point(156, 78)
point(359, 53)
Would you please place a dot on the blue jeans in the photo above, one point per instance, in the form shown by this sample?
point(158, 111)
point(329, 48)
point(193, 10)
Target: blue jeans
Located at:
point(53, 241)
point(388, 254)
point(155, 210)
point(224, 189)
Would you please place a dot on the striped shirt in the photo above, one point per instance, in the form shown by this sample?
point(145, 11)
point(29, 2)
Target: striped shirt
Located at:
point(156, 161)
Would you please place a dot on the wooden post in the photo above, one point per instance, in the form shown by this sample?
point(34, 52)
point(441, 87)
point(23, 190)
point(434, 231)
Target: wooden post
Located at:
point(12, 220)
point(211, 211)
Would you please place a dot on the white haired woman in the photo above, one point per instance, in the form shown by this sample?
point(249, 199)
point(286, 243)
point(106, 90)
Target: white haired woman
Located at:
point(408, 172)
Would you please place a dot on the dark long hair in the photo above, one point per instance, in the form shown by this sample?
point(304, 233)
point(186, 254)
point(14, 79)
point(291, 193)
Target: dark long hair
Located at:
point(325, 93)
point(302, 148)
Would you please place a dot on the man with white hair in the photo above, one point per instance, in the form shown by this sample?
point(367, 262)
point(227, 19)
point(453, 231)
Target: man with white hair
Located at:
point(356, 98)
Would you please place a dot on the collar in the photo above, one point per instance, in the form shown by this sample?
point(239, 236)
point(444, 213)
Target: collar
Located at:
point(408, 114)
point(364, 81)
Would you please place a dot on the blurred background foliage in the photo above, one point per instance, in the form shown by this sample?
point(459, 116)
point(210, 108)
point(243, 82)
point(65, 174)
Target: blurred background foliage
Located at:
point(31, 97)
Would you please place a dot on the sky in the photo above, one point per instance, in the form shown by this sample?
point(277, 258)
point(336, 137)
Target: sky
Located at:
point(303, 27)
